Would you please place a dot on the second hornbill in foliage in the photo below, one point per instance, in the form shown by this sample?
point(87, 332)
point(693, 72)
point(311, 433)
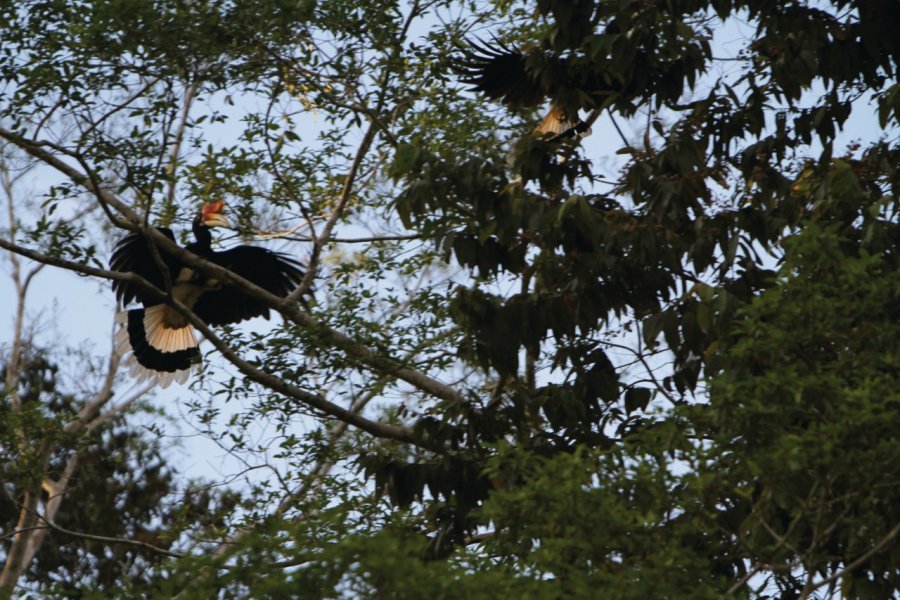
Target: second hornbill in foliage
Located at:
point(159, 337)
point(525, 79)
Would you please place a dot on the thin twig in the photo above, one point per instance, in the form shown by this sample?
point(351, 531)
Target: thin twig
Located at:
point(856, 563)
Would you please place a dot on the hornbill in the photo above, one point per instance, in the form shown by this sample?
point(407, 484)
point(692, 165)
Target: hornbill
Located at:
point(162, 342)
point(523, 79)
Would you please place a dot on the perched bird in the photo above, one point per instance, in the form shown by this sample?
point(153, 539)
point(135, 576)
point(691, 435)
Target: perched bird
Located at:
point(160, 339)
point(521, 79)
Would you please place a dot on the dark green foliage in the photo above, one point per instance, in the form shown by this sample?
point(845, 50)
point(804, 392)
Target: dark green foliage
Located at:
point(807, 398)
point(122, 488)
point(668, 248)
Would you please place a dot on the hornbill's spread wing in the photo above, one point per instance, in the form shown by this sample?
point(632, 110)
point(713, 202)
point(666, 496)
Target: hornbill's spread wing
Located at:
point(274, 272)
point(133, 255)
point(158, 336)
point(503, 73)
point(500, 73)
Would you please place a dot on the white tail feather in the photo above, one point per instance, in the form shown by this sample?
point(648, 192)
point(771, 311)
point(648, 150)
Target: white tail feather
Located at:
point(160, 379)
point(185, 337)
point(164, 338)
point(123, 344)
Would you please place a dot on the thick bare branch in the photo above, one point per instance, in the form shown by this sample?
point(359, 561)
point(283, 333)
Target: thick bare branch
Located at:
point(275, 383)
point(178, 137)
point(337, 213)
point(288, 308)
point(17, 554)
point(20, 551)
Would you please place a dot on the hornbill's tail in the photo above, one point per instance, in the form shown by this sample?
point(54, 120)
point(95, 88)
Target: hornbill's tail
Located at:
point(157, 351)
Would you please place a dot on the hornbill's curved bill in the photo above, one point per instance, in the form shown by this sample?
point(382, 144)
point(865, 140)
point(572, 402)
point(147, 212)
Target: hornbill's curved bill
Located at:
point(503, 73)
point(161, 341)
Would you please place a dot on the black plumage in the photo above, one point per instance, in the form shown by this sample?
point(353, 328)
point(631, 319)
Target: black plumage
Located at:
point(160, 338)
point(500, 73)
point(151, 357)
point(524, 80)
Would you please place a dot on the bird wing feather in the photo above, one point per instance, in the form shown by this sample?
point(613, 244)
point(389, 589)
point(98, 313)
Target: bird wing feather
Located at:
point(132, 254)
point(272, 271)
point(499, 72)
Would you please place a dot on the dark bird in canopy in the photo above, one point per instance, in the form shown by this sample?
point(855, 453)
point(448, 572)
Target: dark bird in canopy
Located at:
point(159, 338)
point(525, 80)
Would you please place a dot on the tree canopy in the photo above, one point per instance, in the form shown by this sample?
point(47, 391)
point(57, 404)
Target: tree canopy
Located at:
point(661, 361)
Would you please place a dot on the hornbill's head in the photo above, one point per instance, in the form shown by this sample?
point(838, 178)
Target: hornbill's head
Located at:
point(211, 215)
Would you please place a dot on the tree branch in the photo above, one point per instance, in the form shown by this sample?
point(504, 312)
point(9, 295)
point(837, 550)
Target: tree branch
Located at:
point(110, 540)
point(887, 539)
point(271, 381)
point(286, 306)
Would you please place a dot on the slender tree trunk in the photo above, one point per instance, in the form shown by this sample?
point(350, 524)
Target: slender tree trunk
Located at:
point(17, 558)
point(17, 554)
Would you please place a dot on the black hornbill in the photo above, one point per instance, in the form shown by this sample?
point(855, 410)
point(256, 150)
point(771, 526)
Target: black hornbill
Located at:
point(160, 338)
point(526, 79)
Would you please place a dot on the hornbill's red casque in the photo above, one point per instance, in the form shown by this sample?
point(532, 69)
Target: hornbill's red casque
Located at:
point(161, 340)
point(511, 76)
